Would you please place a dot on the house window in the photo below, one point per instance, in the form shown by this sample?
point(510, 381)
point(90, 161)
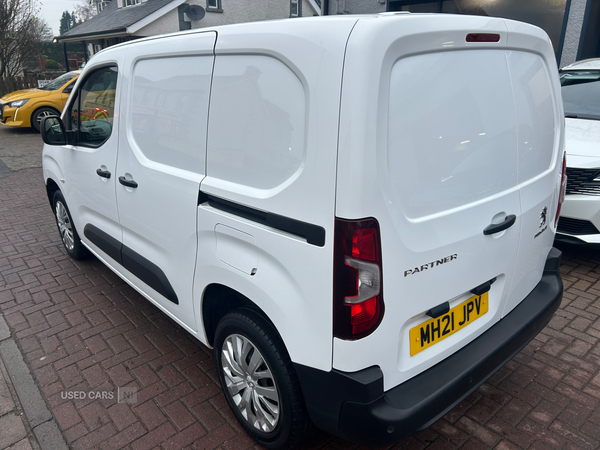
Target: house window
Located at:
point(295, 8)
point(214, 5)
point(101, 5)
point(132, 2)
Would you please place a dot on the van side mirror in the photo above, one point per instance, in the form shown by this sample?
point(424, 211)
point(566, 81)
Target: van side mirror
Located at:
point(53, 131)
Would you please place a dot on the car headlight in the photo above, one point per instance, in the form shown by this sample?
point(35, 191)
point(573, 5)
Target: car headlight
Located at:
point(18, 103)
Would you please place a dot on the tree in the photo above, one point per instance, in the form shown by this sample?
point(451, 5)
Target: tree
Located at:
point(43, 31)
point(55, 51)
point(85, 10)
point(67, 21)
point(20, 34)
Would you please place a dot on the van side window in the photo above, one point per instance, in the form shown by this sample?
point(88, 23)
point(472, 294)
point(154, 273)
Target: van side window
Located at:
point(257, 121)
point(92, 112)
point(169, 110)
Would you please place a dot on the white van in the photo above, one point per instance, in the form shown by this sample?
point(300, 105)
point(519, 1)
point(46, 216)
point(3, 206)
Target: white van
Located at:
point(356, 212)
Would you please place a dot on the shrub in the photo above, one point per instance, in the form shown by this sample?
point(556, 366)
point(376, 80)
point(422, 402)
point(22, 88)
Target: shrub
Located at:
point(51, 64)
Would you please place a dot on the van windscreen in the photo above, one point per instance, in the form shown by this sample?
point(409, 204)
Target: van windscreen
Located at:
point(581, 93)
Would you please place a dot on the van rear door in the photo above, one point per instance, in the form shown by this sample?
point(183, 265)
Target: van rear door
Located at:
point(440, 157)
point(539, 114)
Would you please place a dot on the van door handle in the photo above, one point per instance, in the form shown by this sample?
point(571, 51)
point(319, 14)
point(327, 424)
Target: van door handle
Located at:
point(494, 228)
point(103, 173)
point(129, 183)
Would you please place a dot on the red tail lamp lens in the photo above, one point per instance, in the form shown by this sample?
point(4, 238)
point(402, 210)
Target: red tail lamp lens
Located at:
point(363, 244)
point(362, 314)
point(358, 300)
point(483, 37)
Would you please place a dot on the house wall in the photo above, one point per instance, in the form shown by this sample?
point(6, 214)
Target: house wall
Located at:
point(573, 32)
point(237, 11)
point(356, 6)
point(168, 23)
point(234, 11)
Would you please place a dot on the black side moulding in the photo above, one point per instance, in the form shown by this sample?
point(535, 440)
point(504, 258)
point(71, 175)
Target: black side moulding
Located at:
point(314, 234)
point(141, 267)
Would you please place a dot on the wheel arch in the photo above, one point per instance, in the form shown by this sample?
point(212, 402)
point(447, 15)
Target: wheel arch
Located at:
point(51, 188)
point(218, 300)
point(44, 105)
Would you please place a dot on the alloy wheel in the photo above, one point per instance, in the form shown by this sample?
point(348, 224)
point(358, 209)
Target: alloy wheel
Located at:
point(250, 383)
point(40, 116)
point(64, 226)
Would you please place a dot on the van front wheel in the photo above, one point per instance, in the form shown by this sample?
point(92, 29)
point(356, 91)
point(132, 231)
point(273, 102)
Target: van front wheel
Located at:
point(259, 381)
point(66, 228)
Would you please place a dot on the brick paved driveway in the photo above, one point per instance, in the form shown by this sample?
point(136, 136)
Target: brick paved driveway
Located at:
point(81, 328)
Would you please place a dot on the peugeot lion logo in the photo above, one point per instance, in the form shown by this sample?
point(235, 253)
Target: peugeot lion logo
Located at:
point(543, 216)
point(543, 225)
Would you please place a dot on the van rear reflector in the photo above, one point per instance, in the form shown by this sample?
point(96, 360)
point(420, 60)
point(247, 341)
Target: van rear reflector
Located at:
point(483, 37)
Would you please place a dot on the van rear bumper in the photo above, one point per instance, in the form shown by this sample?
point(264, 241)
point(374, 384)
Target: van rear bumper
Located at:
point(354, 406)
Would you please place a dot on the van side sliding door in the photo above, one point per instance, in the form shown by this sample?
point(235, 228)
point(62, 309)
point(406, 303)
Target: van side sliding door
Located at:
point(161, 163)
point(266, 215)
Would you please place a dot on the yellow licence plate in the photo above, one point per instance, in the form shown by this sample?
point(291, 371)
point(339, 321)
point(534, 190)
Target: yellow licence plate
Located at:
point(435, 330)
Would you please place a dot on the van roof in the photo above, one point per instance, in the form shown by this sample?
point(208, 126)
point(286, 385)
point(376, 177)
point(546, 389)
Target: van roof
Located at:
point(306, 23)
point(244, 27)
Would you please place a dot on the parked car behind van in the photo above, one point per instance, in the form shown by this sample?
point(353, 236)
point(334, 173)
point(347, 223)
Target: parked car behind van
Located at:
point(580, 217)
point(360, 221)
point(27, 107)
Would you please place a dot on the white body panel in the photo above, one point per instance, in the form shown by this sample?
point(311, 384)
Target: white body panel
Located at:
point(540, 146)
point(271, 146)
point(163, 150)
point(582, 138)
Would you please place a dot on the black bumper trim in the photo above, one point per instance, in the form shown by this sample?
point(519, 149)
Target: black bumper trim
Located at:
point(354, 406)
point(568, 239)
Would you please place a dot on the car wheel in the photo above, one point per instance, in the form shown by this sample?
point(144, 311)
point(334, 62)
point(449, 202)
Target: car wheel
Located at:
point(259, 380)
point(66, 228)
point(38, 115)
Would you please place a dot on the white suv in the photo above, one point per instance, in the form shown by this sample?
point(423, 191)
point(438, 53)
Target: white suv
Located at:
point(356, 212)
point(580, 217)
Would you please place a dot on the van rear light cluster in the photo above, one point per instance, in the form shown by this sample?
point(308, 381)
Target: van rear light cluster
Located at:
point(357, 286)
point(563, 189)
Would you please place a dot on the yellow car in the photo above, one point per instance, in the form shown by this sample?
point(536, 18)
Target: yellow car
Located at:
point(26, 108)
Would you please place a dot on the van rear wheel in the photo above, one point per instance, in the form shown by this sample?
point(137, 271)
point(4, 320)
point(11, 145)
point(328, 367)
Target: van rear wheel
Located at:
point(259, 381)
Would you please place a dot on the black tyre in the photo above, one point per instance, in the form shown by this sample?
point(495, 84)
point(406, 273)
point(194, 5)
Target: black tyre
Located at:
point(38, 115)
point(259, 381)
point(66, 228)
